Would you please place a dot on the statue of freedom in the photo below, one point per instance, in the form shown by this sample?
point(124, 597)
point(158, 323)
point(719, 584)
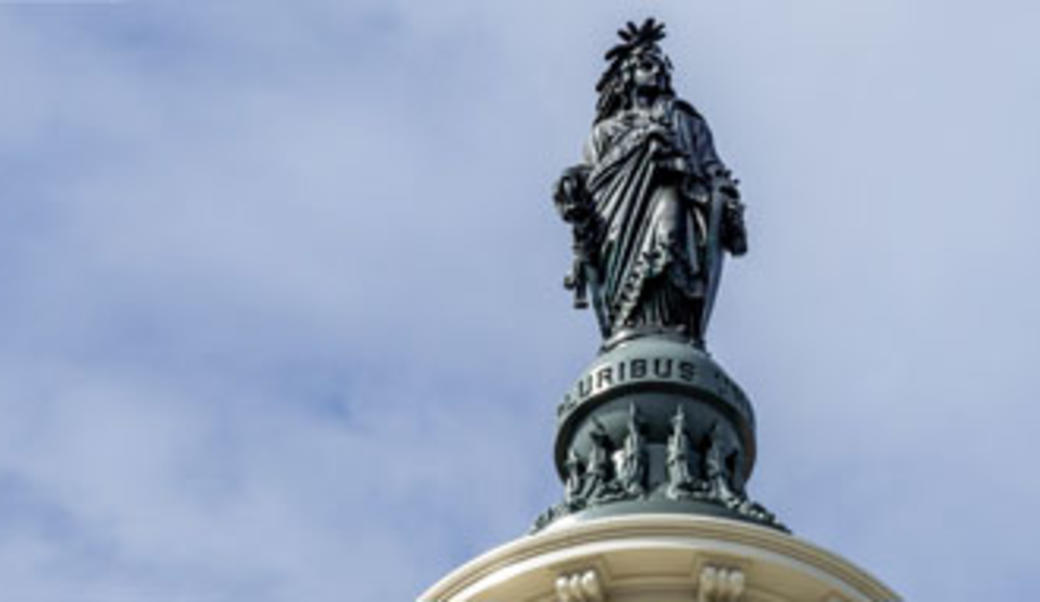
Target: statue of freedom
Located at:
point(652, 206)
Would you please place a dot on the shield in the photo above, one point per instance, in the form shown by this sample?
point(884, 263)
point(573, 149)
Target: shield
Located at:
point(713, 255)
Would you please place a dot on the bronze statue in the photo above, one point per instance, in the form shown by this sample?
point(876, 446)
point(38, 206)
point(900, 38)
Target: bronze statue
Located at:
point(652, 206)
point(653, 212)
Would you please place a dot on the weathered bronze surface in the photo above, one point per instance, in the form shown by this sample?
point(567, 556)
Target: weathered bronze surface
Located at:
point(652, 207)
point(654, 424)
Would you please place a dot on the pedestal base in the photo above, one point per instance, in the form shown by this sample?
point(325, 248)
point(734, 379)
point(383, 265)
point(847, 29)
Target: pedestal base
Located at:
point(656, 425)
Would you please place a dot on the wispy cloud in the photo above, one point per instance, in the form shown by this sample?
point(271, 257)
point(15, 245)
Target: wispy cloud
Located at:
point(280, 302)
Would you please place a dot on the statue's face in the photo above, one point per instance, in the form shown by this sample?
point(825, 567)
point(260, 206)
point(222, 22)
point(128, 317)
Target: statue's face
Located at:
point(648, 70)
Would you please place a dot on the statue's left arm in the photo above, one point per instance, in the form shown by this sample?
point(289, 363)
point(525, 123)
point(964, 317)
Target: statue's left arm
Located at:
point(718, 181)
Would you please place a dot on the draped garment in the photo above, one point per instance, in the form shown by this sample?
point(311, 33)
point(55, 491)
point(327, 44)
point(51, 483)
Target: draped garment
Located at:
point(650, 186)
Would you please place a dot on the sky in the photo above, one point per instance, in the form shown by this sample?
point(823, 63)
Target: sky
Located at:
point(280, 292)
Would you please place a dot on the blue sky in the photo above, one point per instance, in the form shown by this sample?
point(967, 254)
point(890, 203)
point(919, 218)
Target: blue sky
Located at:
point(280, 292)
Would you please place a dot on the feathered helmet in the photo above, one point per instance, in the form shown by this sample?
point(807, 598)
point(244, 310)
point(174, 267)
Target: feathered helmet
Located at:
point(637, 43)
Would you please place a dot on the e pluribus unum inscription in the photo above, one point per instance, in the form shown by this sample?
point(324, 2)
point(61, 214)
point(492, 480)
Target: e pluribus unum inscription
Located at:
point(631, 370)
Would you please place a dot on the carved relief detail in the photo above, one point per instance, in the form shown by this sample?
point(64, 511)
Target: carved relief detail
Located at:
point(704, 470)
point(717, 584)
point(581, 586)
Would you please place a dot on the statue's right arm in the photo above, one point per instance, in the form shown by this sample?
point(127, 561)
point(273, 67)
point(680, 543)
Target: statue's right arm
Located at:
point(593, 149)
point(571, 196)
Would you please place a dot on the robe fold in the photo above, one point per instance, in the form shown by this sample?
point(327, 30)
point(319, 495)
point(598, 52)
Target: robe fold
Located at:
point(649, 180)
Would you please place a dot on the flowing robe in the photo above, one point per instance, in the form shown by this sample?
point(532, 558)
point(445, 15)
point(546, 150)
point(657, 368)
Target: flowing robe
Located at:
point(657, 250)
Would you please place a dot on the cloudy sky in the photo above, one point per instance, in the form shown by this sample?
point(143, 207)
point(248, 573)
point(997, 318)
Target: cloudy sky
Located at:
point(280, 304)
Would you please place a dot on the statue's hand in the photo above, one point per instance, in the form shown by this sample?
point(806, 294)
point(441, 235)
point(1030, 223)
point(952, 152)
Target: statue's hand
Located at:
point(665, 138)
point(724, 182)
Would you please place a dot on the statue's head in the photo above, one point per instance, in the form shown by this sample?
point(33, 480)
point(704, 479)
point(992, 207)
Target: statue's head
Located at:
point(637, 64)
